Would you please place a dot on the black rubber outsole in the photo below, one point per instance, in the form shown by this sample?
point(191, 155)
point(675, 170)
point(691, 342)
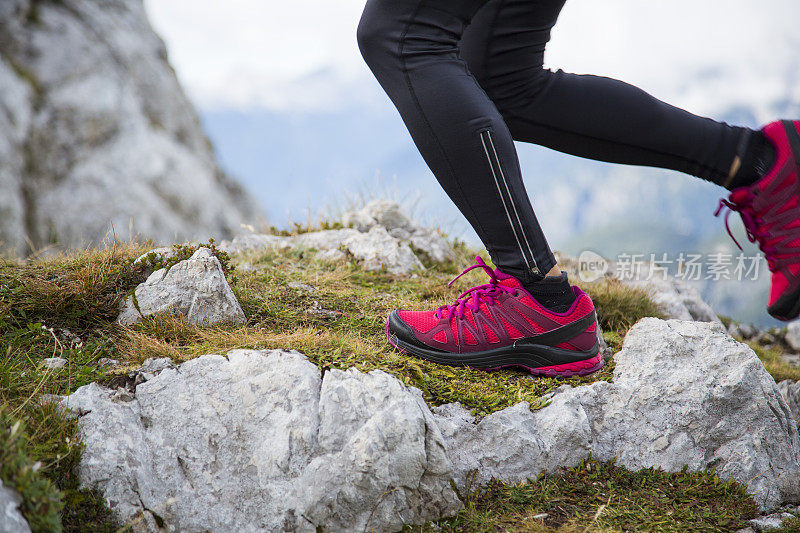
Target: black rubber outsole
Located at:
point(787, 307)
point(529, 356)
point(532, 356)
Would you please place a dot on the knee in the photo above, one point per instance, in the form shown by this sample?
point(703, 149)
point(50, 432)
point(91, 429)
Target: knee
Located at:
point(514, 92)
point(374, 37)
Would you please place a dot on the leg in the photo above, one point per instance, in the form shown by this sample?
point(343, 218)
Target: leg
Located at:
point(412, 48)
point(587, 116)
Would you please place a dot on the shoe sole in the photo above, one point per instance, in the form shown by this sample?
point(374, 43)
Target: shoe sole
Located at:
point(534, 358)
point(787, 307)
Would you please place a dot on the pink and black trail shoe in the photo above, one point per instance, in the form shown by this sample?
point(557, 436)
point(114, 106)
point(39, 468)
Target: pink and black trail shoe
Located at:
point(770, 210)
point(500, 325)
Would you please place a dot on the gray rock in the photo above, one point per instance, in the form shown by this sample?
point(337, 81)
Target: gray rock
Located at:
point(677, 299)
point(747, 331)
point(389, 215)
point(605, 349)
point(261, 441)
point(743, 331)
point(254, 242)
point(15, 122)
point(684, 393)
point(375, 249)
point(161, 254)
point(321, 240)
point(11, 520)
point(381, 237)
point(195, 289)
point(379, 212)
point(54, 363)
point(765, 338)
point(107, 362)
point(112, 145)
point(790, 390)
point(431, 243)
point(378, 250)
point(792, 359)
point(769, 522)
point(792, 337)
point(154, 366)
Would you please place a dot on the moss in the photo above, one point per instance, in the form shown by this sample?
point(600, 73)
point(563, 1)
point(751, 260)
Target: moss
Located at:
point(41, 500)
point(792, 525)
point(181, 252)
point(604, 497)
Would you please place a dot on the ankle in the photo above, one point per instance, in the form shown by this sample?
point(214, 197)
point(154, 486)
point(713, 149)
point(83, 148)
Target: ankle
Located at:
point(754, 160)
point(553, 292)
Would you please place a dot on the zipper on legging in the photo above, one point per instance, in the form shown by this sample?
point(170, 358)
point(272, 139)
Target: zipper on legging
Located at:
point(512, 214)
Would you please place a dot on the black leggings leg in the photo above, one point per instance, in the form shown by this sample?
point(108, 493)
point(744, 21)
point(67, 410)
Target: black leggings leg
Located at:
point(588, 116)
point(416, 51)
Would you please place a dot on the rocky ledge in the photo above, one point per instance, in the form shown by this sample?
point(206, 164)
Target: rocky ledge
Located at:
point(263, 441)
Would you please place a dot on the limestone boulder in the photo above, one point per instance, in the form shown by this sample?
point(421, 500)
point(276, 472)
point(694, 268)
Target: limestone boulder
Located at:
point(195, 289)
point(261, 441)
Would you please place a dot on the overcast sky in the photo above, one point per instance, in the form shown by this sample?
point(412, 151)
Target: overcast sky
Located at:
point(302, 53)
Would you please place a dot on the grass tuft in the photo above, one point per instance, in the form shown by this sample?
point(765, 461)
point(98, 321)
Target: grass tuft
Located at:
point(76, 291)
point(773, 361)
point(41, 500)
point(596, 496)
point(620, 306)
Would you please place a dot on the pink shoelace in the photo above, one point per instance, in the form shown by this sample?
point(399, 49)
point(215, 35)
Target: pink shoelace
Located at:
point(472, 298)
point(753, 225)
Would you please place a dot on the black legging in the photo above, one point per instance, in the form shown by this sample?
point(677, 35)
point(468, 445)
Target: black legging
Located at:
point(467, 77)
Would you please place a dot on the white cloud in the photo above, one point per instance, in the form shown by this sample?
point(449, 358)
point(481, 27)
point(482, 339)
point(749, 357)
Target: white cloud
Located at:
point(303, 53)
point(252, 52)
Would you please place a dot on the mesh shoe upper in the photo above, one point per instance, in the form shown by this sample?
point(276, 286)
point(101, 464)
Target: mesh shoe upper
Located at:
point(496, 314)
point(770, 210)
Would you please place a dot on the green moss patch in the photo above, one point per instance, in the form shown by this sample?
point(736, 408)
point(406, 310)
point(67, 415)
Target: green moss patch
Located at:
point(605, 497)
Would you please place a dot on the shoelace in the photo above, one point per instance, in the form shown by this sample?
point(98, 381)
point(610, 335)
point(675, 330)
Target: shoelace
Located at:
point(752, 223)
point(472, 298)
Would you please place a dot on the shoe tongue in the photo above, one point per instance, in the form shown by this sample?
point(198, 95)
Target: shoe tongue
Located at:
point(507, 280)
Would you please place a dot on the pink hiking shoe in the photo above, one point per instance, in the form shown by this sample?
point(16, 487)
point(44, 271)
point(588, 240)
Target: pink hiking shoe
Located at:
point(499, 325)
point(770, 210)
